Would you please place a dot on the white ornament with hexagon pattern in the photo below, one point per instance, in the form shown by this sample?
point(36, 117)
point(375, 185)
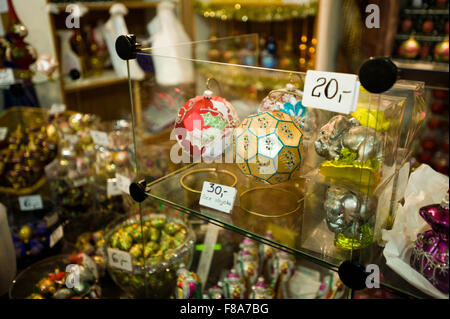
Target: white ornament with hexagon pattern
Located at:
point(268, 146)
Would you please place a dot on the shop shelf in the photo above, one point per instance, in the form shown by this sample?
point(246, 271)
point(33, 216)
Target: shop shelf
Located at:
point(107, 78)
point(421, 65)
point(168, 191)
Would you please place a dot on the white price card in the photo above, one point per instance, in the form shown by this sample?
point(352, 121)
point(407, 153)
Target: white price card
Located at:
point(90, 264)
point(3, 133)
point(51, 220)
point(123, 183)
point(80, 182)
point(120, 259)
point(111, 187)
point(30, 202)
point(71, 138)
point(336, 92)
point(56, 236)
point(57, 108)
point(100, 138)
point(7, 76)
point(219, 197)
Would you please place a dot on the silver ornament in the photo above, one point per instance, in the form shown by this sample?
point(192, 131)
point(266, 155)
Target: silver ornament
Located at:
point(344, 132)
point(346, 212)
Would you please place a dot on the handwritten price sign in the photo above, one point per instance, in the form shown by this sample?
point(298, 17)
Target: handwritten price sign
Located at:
point(336, 92)
point(31, 202)
point(219, 197)
point(119, 259)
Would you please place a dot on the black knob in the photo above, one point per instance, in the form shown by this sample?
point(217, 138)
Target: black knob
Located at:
point(353, 275)
point(74, 74)
point(127, 47)
point(378, 75)
point(137, 191)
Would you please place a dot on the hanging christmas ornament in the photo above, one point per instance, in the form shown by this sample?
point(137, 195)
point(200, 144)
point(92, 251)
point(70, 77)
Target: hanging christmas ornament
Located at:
point(406, 25)
point(430, 253)
point(287, 100)
point(20, 53)
point(268, 55)
point(46, 65)
point(205, 124)
point(441, 51)
point(409, 49)
point(269, 146)
point(428, 26)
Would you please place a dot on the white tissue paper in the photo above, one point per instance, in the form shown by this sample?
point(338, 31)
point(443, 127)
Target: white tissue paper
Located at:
point(115, 27)
point(169, 41)
point(425, 187)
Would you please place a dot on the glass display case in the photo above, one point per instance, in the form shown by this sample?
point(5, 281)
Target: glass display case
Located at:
point(309, 190)
point(317, 184)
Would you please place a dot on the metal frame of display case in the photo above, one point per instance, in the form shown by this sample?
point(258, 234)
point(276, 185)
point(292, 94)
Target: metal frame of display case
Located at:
point(351, 270)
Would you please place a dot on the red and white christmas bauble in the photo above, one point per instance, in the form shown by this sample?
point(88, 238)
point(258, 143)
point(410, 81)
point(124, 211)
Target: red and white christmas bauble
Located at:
point(204, 126)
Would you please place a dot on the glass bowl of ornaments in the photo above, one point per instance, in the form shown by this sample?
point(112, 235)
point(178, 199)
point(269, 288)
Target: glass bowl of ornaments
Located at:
point(28, 145)
point(114, 157)
point(56, 277)
point(31, 232)
point(168, 241)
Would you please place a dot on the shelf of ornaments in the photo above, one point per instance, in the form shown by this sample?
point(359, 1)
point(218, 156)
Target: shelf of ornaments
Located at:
point(288, 233)
point(434, 11)
point(251, 77)
point(260, 11)
point(421, 65)
point(106, 5)
point(107, 77)
point(422, 37)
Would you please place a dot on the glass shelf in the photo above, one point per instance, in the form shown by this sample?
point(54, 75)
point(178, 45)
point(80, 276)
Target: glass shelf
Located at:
point(286, 232)
point(284, 211)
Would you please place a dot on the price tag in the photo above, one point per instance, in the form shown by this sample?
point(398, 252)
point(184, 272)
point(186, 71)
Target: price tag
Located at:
point(51, 168)
point(120, 259)
point(111, 187)
point(100, 138)
point(72, 138)
point(7, 76)
point(123, 183)
point(56, 236)
point(57, 108)
point(336, 92)
point(90, 265)
point(3, 133)
point(219, 197)
point(31, 202)
point(51, 219)
point(80, 182)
